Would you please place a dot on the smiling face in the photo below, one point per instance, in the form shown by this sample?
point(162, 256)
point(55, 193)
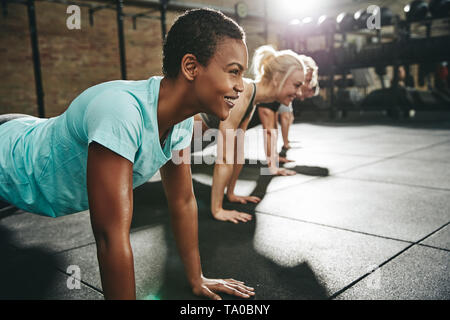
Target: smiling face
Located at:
point(218, 85)
point(306, 90)
point(292, 87)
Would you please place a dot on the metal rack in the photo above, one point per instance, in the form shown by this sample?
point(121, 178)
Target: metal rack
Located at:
point(116, 5)
point(403, 48)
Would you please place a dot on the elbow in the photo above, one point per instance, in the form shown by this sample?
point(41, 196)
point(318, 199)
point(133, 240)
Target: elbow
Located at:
point(108, 236)
point(184, 203)
point(106, 240)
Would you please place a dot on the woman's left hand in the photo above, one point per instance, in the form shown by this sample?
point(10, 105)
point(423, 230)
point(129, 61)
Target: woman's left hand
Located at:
point(210, 287)
point(243, 199)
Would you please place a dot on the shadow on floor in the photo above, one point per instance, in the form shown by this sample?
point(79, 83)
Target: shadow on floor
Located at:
point(227, 251)
point(252, 171)
point(25, 273)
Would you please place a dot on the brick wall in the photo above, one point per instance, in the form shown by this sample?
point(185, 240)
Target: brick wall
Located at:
point(73, 60)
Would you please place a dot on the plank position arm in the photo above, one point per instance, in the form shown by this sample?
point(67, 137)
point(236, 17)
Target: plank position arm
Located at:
point(110, 192)
point(111, 208)
point(177, 182)
point(227, 168)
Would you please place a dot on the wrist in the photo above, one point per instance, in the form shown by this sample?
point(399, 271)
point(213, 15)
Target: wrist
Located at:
point(196, 281)
point(215, 210)
point(230, 194)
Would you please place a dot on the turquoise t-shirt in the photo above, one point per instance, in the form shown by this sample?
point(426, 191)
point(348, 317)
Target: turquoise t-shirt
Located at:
point(43, 161)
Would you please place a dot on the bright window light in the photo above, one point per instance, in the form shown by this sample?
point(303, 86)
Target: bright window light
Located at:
point(297, 8)
point(322, 19)
point(340, 17)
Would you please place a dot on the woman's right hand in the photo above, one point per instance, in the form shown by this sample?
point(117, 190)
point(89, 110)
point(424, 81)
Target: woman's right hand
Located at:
point(232, 216)
point(210, 287)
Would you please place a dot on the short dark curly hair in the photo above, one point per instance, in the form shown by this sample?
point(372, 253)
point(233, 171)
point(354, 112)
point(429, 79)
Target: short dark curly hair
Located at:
point(197, 32)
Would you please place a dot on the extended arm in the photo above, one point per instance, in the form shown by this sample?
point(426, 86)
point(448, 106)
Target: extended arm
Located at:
point(177, 182)
point(110, 191)
point(223, 174)
point(237, 168)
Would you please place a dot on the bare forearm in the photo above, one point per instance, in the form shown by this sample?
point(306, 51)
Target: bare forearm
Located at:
point(115, 260)
point(271, 147)
point(221, 177)
point(109, 186)
point(185, 228)
point(237, 168)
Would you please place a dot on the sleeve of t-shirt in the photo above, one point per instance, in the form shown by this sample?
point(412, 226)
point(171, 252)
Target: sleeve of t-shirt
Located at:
point(181, 138)
point(113, 120)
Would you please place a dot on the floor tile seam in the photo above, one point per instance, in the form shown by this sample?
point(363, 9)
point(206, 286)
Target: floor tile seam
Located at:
point(335, 227)
point(339, 292)
point(379, 158)
point(354, 282)
point(294, 149)
point(87, 284)
point(335, 175)
point(389, 131)
point(426, 160)
point(399, 155)
point(4, 209)
point(349, 138)
point(371, 135)
point(338, 176)
point(317, 152)
point(73, 248)
point(5, 214)
point(433, 247)
point(422, 148)
point(134, 230)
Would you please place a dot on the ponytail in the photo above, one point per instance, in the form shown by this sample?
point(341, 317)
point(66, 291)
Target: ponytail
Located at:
point(261, 58)
point(267, 62)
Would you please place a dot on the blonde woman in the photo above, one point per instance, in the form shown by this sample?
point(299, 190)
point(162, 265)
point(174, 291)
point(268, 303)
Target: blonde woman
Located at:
point(279, 76)
point(268, 113)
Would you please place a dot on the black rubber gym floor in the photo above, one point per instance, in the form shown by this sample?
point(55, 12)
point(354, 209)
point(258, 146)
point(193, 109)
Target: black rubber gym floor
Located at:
point(366, 217)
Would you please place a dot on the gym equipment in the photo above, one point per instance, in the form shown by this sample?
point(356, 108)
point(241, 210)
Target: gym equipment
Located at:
point(442, 96)
point(395, 101)
point(406, 52)
point(425, 100)
point(305, 26)
point(349, 98)
point(387, 16)
point(406, 45)
point(362, 77)
point(361, 17)
point(326, 24)
point(439, 8)
point(416, 10)
point(346, 22)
